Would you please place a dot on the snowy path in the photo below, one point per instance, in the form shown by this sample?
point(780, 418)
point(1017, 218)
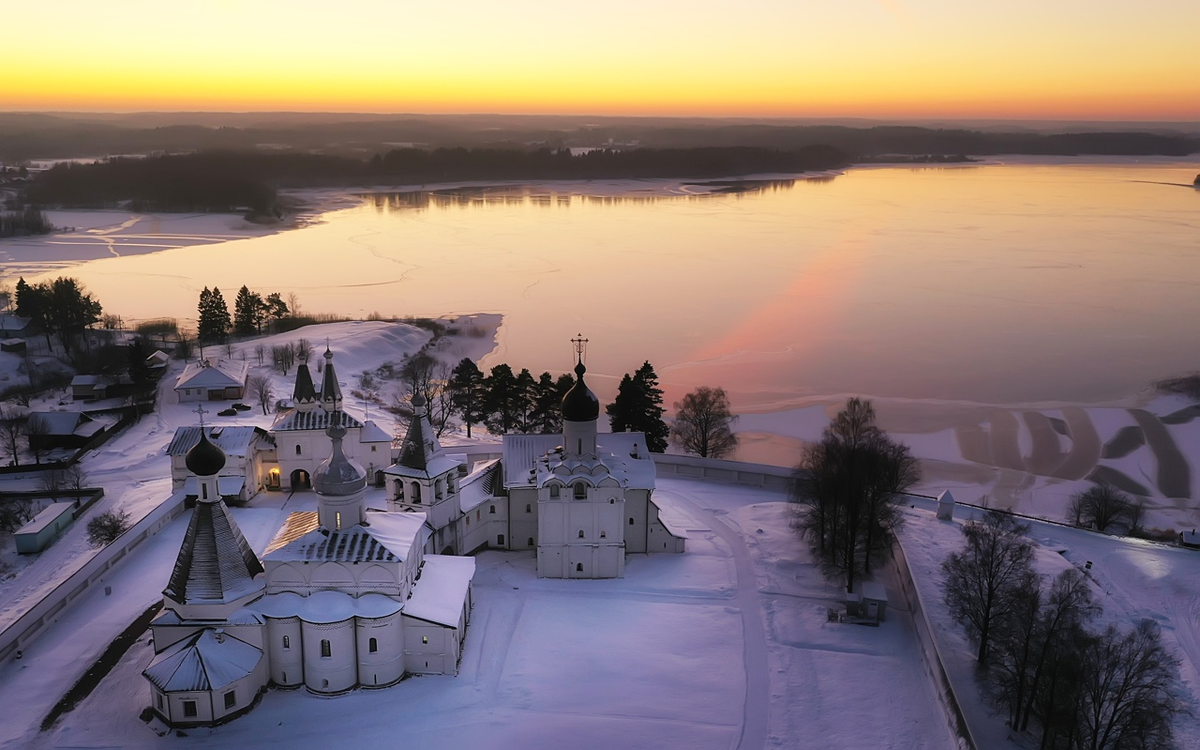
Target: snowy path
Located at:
point(755, 720)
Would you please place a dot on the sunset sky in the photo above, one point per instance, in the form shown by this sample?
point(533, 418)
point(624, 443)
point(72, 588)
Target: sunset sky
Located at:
point(1027, 59)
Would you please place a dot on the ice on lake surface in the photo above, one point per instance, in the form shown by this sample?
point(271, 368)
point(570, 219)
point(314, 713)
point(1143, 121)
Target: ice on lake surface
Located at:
point(986, 284)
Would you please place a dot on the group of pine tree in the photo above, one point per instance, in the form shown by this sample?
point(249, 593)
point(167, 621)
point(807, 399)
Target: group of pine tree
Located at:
point(251, 314)
point(61, 308)
point(507, 402)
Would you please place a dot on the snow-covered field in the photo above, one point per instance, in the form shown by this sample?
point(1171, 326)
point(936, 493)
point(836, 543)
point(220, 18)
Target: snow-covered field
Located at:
point(1032, 460)
point(725, 645)
point(1132, 580)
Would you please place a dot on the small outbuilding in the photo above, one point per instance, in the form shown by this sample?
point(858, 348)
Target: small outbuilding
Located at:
point(37, 535)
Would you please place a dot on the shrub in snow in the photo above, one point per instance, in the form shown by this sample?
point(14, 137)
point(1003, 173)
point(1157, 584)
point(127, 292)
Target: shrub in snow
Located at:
point(106, 527)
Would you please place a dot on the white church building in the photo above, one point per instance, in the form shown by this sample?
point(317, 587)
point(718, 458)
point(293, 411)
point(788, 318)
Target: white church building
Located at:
point(581, 499)
point(344, 598)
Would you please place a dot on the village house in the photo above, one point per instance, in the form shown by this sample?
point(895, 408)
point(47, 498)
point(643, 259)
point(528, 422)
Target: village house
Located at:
point(222, 380)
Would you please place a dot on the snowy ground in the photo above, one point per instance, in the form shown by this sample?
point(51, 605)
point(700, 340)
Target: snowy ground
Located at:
point(1030, 460)
point(725, 645)
point(1132, 580)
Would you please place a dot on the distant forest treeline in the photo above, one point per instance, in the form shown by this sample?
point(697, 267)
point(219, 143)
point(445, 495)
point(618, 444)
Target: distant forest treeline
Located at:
point(225, 181)
point(26, 136)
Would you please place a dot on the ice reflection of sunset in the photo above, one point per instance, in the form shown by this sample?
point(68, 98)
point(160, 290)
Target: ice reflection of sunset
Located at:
point(790, 323)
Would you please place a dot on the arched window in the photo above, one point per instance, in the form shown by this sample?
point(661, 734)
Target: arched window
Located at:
point(326, 649)
point(287, 642)
point(580, 491)
point(492, 509)
point(578, 567)
point(416, 493)
point(337, 521)
point(603, 534)
point(297, 449)
point(528, 508)
point(581, 533)
point(373, 645)
point(631, 522)
point(554, 490)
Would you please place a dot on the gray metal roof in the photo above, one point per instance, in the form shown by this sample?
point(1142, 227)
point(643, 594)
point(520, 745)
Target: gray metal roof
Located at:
point(235, 441)
point(215, 564)
point(204, 661)
point(317, 419)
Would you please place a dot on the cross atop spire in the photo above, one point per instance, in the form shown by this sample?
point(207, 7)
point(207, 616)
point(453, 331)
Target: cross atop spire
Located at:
point(201, 411)
point(580, 345)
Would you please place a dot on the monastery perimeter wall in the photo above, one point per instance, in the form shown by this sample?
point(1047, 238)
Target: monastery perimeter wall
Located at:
point(930, 655)
point(26, 628)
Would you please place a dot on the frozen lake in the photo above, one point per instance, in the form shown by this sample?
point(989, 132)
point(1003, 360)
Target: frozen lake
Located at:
point(1014, 283)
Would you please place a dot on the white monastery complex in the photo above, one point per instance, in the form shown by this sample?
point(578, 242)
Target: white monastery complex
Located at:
point(346, 597)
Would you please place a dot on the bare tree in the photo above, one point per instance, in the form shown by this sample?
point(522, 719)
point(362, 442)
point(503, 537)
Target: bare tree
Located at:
point(11, 429)
point(293, 304)
point(1124, 697)
point(258, 387)
point(986, 577)
point(14, 514)
point(184, 347)
point(35, 430)
point(1034, 631)
point(259, 352)
point(1101, 507)
point(75, 477)
point(702, 423)
point(51, 482)
point(846, 488)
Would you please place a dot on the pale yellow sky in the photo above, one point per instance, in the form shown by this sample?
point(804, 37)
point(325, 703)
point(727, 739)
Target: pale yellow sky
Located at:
point(1056, 59)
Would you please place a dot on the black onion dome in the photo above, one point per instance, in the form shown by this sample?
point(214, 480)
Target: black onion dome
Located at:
point(580, 404)
point(205, 459)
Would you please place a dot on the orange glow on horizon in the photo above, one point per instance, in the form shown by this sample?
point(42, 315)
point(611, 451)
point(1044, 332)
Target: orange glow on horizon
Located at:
point(893, 58)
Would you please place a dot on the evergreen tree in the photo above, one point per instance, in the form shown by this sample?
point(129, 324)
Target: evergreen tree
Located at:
point(546, 417)
point(275, 306)
point(249, 310)
point(33, 302)
point(638, 408)
point(504, 406)
point(214, 321)
point(467, 392)
point(526, 400)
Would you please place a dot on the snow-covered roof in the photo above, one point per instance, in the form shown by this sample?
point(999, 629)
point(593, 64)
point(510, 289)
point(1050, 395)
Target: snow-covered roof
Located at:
point(207, 374)
point(215, 563)
point(317, 419)
point(85, 380)
point(60, 423)
point(672, 519)
point(326, 606)
point(521, 454)
point(373, 433)
point(235, 441)
point(875, 591)
point(48, 516)
point(480, 486)
point(204, 661)
point(440, 594)
point(158, 359)
point(390, 537)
